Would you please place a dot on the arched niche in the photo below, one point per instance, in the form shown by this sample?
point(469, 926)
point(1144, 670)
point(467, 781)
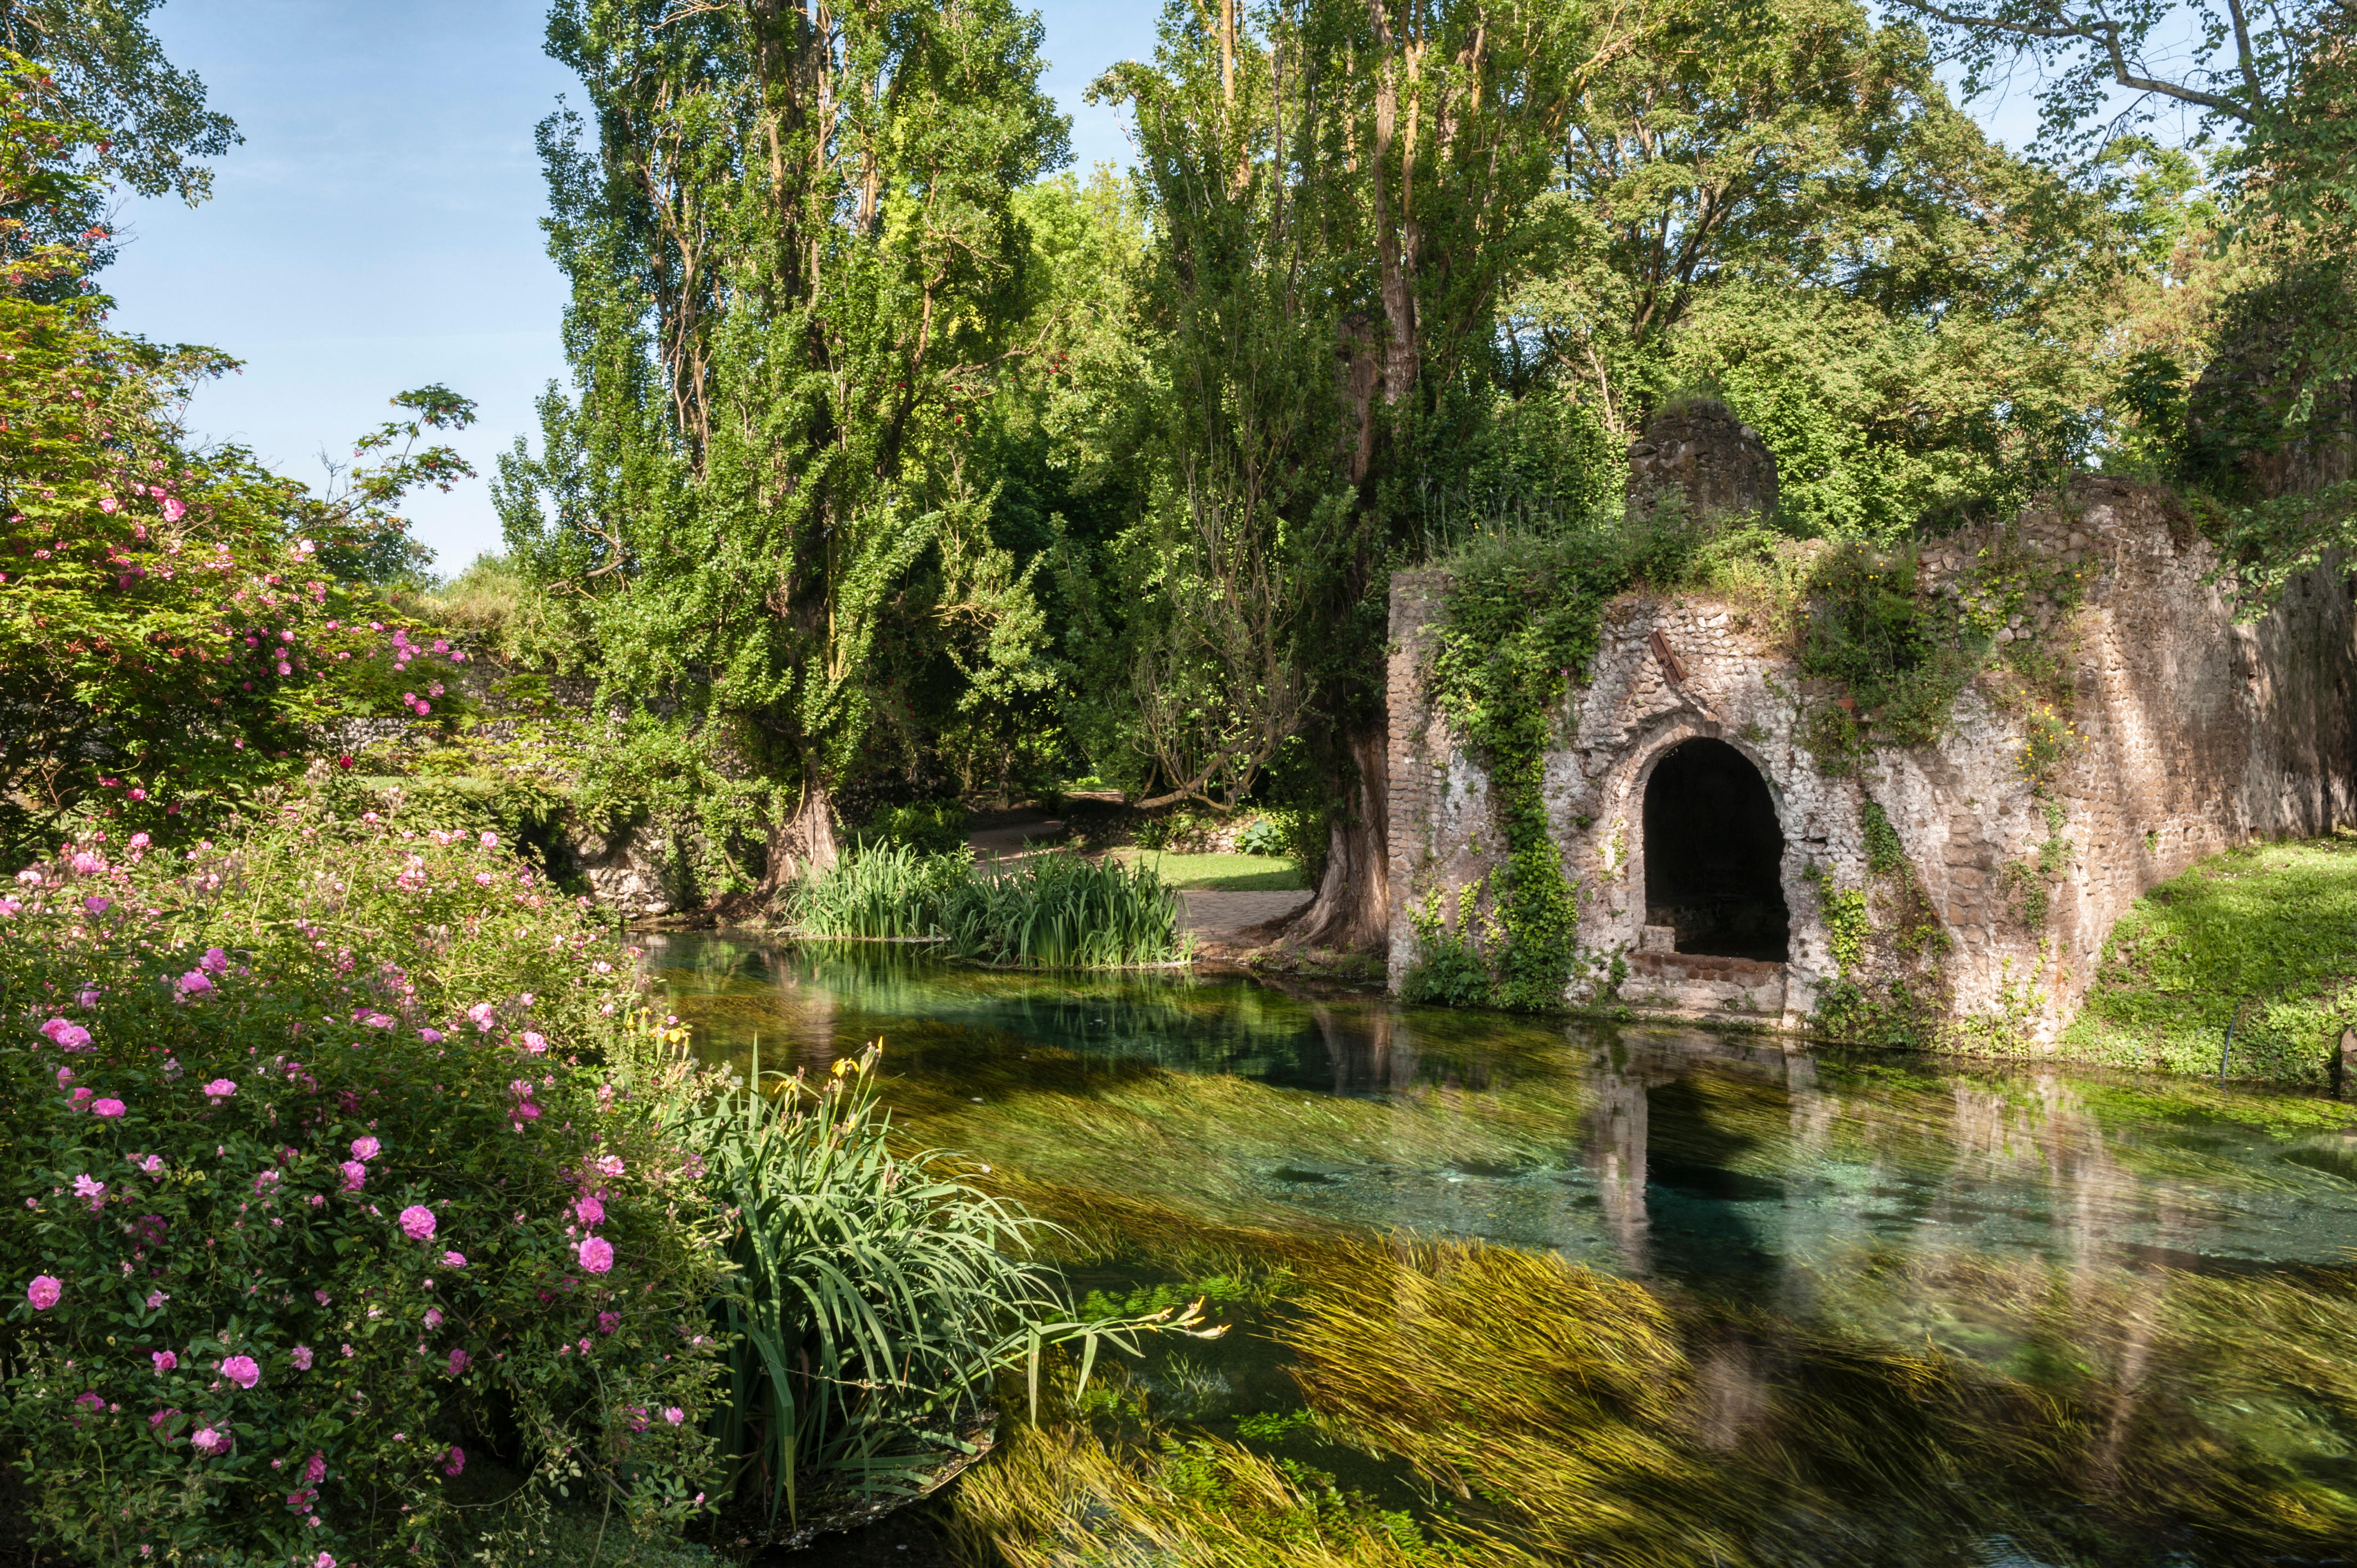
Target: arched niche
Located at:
point(1713, 853)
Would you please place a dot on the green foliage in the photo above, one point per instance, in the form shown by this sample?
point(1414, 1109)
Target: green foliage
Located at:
point(1522, 618)
point(2268, 925)
point(1902, 663)
point(173, 622)
point(928, 827)
point(1060, 911)
point(1885, 855)
point(1263, 835)
point(1045, 911)
point(310, 1100)
point(877, 1297)
point(887, 890)
point(1847, 923)
point(767, 445)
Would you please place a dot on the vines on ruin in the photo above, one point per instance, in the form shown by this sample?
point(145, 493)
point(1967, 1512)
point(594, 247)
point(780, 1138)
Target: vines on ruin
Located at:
point(1520, 619)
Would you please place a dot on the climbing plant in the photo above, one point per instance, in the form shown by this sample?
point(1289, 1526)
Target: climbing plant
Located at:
point(1521, 620)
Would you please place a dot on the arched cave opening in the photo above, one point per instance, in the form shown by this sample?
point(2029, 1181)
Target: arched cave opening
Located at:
point(1712, 849)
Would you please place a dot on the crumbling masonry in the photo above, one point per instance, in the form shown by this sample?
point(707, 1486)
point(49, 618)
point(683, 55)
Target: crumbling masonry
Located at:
point(2192, 733)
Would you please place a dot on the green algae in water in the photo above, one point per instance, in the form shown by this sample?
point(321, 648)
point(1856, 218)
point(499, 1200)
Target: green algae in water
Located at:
point(1912, 1306)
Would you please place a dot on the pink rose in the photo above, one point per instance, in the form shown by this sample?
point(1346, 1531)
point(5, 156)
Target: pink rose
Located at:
point(590, 1209)
point(301, 1357)
point(315, 1468)
point(597, 1254)
point(65, 1033)
point(108, 1108)
point(459, 1360)
point(218, 1090)
point(417, 1222)
point(208, 1441)
point(455, 1461)
point(196, 982)
point(454, 1260)
point(533, 1043)
point(43, 1292)
point(484, 1015)
point(433, 1317)
point(164, 1362)
point(675, 1415)
point(242, 1370)
point(215, 961)
point(365, 1149)
point(608, 1321)
point(355, 1173)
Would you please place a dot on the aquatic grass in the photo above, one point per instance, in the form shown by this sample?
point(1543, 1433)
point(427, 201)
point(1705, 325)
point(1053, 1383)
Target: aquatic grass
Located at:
point(890, 891)
point(876, 1298)
point(1043, 912)
point(1627, 1427)
point(1061, 911)
point(1066, 1495)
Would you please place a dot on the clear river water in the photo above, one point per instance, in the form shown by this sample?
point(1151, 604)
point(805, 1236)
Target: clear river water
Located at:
point(2125, 1244)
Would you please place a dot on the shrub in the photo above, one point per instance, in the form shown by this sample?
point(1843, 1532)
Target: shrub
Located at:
point(335, 1176)
point(1261, 835)
point(928, 827)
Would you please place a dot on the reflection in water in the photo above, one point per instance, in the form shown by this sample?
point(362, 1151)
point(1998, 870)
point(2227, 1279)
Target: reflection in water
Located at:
point(2059, 1227)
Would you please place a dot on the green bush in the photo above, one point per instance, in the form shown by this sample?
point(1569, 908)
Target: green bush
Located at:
point(1261, 835)
point(928, 827)
point(335, 1177)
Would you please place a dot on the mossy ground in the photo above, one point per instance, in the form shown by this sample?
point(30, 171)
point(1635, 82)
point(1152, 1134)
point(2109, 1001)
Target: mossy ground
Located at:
point(2270, 928)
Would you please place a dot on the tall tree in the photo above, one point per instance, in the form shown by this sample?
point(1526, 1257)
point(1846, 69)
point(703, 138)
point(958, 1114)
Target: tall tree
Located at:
point(105, 68)
point(795, 266)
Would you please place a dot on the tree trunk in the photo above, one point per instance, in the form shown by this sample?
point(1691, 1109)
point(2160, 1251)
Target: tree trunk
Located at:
point(1353, 911)
point(802, 840)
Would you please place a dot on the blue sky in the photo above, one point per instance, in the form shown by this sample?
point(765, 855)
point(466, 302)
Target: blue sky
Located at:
point(379, 227)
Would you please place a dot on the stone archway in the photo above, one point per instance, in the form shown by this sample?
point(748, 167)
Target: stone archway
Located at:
point(1714, 855)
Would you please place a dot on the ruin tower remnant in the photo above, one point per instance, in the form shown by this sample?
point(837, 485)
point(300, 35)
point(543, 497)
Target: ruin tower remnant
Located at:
point(1697, 447)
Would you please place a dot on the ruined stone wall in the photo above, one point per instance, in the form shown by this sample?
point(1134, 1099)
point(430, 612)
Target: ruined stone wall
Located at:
point(2193, 733)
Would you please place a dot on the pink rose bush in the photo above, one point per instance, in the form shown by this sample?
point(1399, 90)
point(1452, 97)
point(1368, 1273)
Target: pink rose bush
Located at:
point(220, 1160)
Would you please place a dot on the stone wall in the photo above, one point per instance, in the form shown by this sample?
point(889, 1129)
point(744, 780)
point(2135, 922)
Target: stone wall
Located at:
point(2193, 733)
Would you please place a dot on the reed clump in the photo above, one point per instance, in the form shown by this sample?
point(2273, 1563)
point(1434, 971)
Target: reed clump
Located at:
point(874, 1299)
point(1044, 911)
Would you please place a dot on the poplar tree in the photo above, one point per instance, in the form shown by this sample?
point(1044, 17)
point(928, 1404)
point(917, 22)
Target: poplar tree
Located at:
point(795, 267)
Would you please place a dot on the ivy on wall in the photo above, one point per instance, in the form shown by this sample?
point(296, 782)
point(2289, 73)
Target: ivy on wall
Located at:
point(1521, 620)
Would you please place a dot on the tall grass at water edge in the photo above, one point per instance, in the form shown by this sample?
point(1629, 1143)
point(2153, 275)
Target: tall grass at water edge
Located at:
point(876, 1299)
point(1045, 911)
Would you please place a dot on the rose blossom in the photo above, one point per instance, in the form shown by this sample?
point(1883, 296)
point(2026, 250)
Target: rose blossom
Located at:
point(591, 1209)
point(355, 1173)
point(215, 961)
point(164, 1362)
point(417, 1222)
point(365, 1148)
point(301, 1357)
point(454, 1260)
point(218, 1090)
point(44, 1291)
point(608, 1321)
point(196, 982)
point(108, 1108)
point(242, 1370)
point(208, 1441)
point(456, 1461)
point(597, 1254)
point(459, 1360)
point(433, 1317)
point(675, 1414)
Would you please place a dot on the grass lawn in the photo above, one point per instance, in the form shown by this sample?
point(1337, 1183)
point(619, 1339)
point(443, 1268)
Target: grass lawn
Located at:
point(2274, 925)
point(1221, 872)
